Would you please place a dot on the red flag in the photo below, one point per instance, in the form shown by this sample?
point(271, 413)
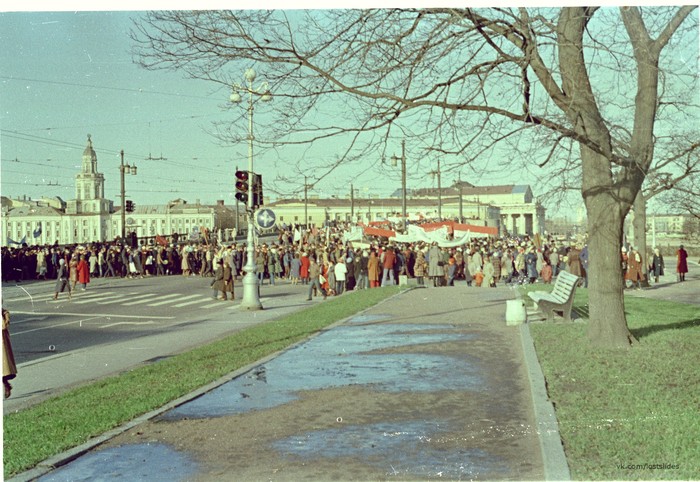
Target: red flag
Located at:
point(161, 240)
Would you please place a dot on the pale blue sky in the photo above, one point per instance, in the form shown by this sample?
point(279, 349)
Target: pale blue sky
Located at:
point(69, 74)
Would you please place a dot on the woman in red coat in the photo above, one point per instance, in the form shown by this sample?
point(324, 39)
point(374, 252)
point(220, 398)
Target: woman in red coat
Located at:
point(304, 269)
point(682, 265)
point(83, 272)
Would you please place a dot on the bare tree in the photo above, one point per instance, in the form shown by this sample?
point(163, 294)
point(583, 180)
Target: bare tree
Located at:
point(459, 82)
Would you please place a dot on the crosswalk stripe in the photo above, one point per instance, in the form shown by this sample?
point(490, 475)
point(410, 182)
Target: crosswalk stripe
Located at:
point(161, 297)
point(170, 301)
point(202, 300)
point(126, 297)
point(98, 299)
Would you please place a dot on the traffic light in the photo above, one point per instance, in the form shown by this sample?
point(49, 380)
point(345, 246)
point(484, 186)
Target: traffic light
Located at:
point(242, 186)
point(130, 206)
point(257, 190)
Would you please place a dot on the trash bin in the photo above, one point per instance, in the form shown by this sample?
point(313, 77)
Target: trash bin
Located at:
point(516, 314)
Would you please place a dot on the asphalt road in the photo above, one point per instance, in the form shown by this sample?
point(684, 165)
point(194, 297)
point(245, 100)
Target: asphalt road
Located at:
point(117, 324)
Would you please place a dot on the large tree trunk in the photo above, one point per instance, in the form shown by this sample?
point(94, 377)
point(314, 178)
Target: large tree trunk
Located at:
point(607, 327)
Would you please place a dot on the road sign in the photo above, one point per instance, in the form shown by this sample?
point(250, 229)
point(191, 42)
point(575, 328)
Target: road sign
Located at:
point(265, 218)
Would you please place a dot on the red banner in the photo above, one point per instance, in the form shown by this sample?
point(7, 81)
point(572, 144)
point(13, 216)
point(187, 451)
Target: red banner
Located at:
point(473, 228)
point(387, 233)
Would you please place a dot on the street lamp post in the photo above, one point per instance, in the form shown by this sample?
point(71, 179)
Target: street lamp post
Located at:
point(251, 296)
point(124, 169)
point(403, 179)
point(439, 186)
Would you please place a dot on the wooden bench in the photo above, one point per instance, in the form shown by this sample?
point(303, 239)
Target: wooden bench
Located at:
point(561, 297)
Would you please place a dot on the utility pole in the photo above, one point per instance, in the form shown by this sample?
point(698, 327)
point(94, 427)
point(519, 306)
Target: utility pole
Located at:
point(121, 171)
point(403, 179)
point(306, 203)
point(461, 212)
point(437, 173)
point(352, 204)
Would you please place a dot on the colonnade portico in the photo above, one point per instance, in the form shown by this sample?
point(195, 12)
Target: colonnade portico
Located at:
point(521, 223)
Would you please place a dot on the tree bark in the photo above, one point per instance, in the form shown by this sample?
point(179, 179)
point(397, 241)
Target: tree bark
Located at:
point(607, 326)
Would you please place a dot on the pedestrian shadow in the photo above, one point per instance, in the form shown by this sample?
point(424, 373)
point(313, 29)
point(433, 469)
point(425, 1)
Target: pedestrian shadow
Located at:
point(650, 330)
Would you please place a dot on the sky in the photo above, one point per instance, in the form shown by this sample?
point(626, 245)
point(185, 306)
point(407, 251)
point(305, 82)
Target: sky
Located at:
point(69, 74)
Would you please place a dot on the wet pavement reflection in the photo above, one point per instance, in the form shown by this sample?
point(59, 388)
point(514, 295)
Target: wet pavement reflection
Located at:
point(345, 355)
point(415, 449)
point(155, 462)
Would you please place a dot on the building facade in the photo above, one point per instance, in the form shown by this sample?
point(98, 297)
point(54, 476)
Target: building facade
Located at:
point(90, 217)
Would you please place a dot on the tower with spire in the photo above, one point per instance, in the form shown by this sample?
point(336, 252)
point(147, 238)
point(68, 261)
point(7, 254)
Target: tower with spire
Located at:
point(89, 203)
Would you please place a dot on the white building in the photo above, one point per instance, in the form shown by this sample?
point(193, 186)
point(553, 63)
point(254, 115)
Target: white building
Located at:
point(90, 217)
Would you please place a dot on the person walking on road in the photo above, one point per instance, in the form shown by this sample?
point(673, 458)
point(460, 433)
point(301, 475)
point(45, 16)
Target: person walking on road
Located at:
point(682, 263)
point(9, 368)
point(657, 265)
point(315, 282)
point(83, 272)
point(62, 279)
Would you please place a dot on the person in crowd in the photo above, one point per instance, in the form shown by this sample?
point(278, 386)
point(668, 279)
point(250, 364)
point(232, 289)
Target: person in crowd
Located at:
point(83, 272)
point(340, 271)
point(9, 368)
point(218, 284)
point(314, 280)
point(547, 272)
point(62, 279)
point(489, 272)
point(388, 262)
point(657, 265)
point(304, 268)
point(635, 274)
point(73, 271)
point(362, 270)
point(583, 256)
point(530, 265)
point(419, 267)
point(295, 269)
point(681, 263)
point(435, 264)
point(574, 264)
point(373, 269)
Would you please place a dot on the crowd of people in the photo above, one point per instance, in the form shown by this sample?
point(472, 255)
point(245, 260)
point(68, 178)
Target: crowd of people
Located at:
point(321, 259)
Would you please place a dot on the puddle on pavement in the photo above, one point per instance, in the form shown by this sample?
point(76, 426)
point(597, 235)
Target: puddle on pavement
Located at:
point(346, 355)
point(406, 449)
point(154, 462)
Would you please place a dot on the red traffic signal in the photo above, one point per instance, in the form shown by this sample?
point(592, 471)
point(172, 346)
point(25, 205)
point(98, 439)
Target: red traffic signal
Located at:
point(242, 186)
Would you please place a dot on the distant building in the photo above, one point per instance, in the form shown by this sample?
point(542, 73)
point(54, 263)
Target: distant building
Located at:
point(90, 217)
point(510, 208)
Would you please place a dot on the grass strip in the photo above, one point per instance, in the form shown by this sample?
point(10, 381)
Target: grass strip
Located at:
point(627, 415)
point(74, 417)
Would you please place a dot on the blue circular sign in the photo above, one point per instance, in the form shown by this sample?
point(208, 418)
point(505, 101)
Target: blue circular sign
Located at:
point(265, 218)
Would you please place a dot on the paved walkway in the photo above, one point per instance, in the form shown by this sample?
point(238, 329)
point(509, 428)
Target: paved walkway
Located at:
point(428, 384)
point(668, 288)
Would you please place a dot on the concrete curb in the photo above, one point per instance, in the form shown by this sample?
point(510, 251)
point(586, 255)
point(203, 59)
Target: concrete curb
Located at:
point(46, 466)
point(556, 466)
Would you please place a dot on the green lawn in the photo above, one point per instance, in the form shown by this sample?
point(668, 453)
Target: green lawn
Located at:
point(71, 419)
point(628, 408)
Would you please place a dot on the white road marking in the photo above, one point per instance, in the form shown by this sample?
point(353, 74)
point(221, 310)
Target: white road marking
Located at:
point(106, 315)
point(98, 299)
point(201, 300)
point(147, 300)
point(150, 322)
point(126, 298)
point(170, 301)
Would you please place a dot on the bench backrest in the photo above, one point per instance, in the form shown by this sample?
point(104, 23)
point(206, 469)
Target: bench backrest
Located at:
point(564, 286)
